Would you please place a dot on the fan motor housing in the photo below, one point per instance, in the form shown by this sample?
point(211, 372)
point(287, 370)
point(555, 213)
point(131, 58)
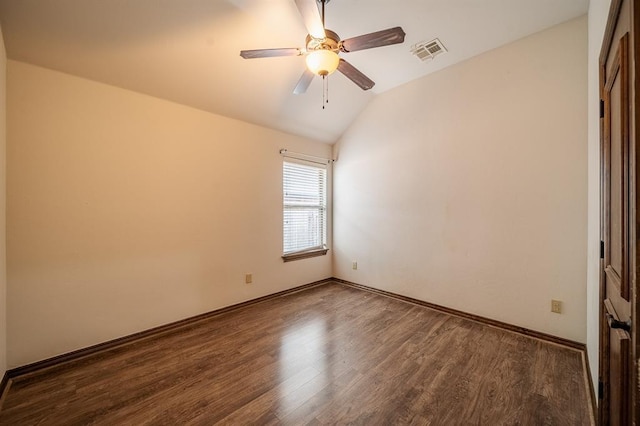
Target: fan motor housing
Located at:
point(330, 42)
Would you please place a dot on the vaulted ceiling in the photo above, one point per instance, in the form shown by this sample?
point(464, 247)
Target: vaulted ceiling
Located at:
point(187, 51)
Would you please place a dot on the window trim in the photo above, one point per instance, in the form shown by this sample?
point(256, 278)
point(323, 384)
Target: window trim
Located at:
point(318, 250)
point(306, 254)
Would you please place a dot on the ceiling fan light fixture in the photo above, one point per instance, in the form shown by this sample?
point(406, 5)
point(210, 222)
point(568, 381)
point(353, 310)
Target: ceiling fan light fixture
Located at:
point(322, 62)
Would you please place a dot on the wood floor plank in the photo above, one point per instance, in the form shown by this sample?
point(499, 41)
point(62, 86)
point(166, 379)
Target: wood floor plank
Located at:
point(331, 354)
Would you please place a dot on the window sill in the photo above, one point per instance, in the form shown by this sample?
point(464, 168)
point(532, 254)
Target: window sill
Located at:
point(304, 254)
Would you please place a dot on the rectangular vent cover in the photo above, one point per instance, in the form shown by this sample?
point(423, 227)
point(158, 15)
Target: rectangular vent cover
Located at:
point(427, 50)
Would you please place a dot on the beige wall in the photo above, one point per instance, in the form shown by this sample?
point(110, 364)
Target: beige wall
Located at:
point(3, 191)
point(598, 12)
point(468, 188)
point(127, 212)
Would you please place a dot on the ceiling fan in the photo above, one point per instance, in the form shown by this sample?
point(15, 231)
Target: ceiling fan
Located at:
point(322, 47)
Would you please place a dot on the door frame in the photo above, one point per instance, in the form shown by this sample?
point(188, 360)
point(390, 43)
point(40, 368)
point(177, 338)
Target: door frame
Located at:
point(634, 207)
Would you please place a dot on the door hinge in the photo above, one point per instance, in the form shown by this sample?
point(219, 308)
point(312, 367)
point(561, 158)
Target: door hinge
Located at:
point(601, 108)
point(600, 389)
point(601, 249)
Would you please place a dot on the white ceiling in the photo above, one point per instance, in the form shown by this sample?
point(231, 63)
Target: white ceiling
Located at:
point(187, 51)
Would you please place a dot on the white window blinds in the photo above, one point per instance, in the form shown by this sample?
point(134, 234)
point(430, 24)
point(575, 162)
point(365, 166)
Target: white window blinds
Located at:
point(305, 206)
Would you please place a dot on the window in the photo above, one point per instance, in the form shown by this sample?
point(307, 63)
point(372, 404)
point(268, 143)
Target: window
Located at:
point(304, 209)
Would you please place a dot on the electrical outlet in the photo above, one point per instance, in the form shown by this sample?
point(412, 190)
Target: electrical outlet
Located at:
point(556, 306)
point(248, 278)
point(354, 265)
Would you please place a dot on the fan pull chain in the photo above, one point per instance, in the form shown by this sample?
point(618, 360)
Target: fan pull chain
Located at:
point(325, 90)
point(327, 100)
point(325, 80)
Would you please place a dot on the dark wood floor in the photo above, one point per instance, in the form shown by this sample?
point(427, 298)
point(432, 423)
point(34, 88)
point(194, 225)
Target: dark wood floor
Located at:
point(331, 354)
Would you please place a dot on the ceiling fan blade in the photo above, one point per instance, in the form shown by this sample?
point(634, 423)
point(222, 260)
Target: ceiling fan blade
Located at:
point(269, 53)
point(304, 82)
point(379, 38)
point(353, 74)
point(311, 17)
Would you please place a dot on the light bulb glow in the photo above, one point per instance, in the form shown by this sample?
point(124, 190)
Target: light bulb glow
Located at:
point(322, 62)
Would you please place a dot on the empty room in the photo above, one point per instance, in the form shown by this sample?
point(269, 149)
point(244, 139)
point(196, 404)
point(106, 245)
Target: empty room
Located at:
point(319, 212)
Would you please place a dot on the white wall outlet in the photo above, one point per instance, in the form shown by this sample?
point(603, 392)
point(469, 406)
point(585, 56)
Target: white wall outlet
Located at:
point(248, 278)
point(556, 306)
point(354, 265)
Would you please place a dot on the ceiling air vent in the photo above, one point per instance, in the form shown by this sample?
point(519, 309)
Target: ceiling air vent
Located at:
point(427, 50)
